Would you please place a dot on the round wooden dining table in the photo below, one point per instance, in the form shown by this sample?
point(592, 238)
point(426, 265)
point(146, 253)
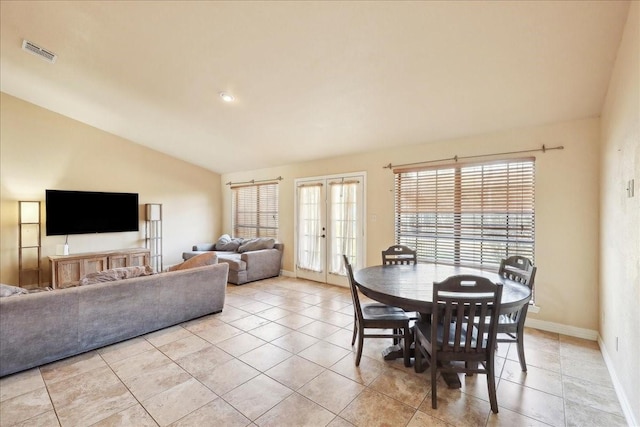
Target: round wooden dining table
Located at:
point(410, 287)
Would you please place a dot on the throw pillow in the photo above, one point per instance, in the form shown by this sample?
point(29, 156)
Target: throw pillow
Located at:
point(197, 261)
point(228, 244)
point(9, 290)
point(257, 244)
point(223, 240)
point(113, 274)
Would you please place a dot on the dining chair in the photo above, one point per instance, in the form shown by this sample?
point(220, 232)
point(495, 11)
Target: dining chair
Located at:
point(377, 316)
point(399, 254)
point(511, 324)
point(461, 328)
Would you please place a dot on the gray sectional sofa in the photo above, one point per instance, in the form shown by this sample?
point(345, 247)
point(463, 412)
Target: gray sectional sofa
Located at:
point(244, 266)
point(43, 327)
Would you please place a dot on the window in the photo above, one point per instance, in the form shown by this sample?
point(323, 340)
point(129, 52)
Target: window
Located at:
point(471, 215)
point(255, 210)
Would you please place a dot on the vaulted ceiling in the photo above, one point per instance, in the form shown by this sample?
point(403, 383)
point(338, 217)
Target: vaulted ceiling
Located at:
point(310, 79)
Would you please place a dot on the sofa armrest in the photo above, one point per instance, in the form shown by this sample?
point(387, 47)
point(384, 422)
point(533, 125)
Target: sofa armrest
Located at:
point(262, 263)
point(261, 256)
point(204, 247)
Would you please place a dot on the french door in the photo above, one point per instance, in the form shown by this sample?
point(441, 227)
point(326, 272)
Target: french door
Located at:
point(330, 213)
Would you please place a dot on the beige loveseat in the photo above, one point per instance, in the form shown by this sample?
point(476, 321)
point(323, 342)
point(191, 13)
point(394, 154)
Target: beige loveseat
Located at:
point(244, 265)
point(43, 327)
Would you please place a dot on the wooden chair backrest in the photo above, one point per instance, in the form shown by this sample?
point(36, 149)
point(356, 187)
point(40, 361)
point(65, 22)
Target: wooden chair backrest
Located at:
point(519, 269)
point(354, 289)
point(467, 312)
point(399, 254)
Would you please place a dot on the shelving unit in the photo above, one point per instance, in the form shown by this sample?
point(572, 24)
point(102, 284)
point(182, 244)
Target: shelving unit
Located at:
point(29, 244)
point(153, 234)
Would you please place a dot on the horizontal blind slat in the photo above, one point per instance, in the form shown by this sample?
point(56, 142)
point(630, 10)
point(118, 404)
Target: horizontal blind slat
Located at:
point(470, 215)
point(255, 210)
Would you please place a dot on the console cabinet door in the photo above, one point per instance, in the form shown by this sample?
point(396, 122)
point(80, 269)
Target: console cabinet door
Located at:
point(72, 270)
point(140, 258)
point(116, 261)
point(67, 271)
point(93, 265)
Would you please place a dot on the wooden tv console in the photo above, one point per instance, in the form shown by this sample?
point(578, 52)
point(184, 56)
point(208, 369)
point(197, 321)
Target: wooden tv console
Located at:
point(66, 269)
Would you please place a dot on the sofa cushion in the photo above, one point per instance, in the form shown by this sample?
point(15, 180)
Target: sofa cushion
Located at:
point(201, 260)
point(234, 259)
point(113, 274)
point(228, 244)
point(9, 290)
point(257, 244)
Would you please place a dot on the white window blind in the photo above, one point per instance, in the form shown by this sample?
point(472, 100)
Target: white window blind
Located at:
point(255, 210)
point(470, 215)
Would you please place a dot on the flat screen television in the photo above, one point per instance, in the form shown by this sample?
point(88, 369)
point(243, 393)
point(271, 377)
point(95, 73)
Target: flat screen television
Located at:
point(83, 212)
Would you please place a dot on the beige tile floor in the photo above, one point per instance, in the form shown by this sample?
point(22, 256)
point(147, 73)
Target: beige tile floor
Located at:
point(280, 355)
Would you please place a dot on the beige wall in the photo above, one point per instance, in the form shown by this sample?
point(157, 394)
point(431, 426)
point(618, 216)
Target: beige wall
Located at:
point(566, 207)
point(620, 216)
point(42, 150)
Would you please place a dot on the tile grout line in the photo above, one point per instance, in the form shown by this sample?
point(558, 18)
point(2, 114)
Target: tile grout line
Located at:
point(128, 390)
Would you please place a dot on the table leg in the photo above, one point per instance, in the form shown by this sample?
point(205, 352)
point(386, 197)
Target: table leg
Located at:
point(451, 378)
point(393, 352)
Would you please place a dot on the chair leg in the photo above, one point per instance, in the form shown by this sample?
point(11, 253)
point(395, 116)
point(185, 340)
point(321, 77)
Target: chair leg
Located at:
point(491, 385)
point(355, 330)
point(520, 342)
point(470, 365)
point(434, 377)
point(520, 337)
point(360, 344)
point(418, 355)
point(396, 340)
point(407, 346)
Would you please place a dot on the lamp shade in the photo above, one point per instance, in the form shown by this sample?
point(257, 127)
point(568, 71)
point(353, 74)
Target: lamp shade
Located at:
point(154, 212)
point(29, 212)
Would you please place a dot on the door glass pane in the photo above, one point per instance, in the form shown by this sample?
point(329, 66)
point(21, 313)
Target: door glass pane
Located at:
point(309, 227)
point(343, 224)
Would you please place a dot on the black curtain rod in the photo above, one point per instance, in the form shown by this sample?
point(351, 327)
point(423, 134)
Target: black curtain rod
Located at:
point(544, 149)
point(253, 181)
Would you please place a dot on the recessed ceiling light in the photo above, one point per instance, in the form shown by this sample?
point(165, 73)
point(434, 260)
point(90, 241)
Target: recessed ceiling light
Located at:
point(226, 97)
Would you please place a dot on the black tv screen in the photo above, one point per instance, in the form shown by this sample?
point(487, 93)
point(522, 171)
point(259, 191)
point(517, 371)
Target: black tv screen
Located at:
point(82, 212)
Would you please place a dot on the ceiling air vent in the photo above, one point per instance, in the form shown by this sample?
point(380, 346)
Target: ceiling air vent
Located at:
point(37, 50)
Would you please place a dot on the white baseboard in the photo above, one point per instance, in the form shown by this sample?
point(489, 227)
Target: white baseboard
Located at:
point(592, 335)
point(622, 397)
point(573, 331)
point(287, 273)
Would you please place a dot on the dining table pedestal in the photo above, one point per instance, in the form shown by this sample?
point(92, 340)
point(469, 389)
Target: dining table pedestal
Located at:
point(396, 351)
